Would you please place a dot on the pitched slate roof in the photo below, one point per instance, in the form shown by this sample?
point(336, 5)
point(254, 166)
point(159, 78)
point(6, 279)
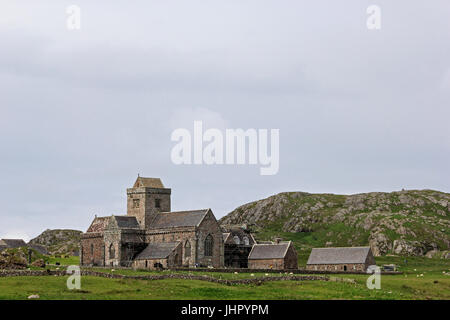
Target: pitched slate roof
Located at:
point(148, 183)
point(98, 225)
point(338, 255)
point(178, 219)
point(126, 222)
point(13, 243)
point(269, 251)
point(158, 250)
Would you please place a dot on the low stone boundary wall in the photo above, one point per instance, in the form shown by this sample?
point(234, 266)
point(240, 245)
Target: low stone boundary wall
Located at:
point(256, 281)
point(293, 271)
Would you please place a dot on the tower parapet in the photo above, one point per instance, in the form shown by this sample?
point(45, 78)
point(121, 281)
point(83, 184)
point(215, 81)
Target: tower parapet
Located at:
point(146, 199)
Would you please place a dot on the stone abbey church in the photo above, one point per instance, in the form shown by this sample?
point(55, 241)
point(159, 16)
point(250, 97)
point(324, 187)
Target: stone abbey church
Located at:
point(151, 236)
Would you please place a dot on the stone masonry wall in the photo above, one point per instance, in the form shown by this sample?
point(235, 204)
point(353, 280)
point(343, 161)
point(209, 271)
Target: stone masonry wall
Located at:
point(92, 247)
point(271, 264)
point(210, 226)
point(337, 267)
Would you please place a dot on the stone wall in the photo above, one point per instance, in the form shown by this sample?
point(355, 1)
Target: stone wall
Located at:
point(92, 249)
point(269, 264)
point(176, 234)
point(173, 260)
point(209, 226)
point(122, 245)
point(338, 267)
point(257, 281)
point(290, 259)
point(150, 264)
point(146, 209)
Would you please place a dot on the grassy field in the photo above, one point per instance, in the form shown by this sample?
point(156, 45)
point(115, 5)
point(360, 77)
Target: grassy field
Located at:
point(65, 261)
point(423, 278)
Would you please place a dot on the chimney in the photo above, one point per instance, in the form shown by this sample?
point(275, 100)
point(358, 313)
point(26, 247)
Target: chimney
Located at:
point(278, 240)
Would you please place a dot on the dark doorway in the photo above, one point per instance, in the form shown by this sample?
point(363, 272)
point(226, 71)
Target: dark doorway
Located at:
point(345, 268)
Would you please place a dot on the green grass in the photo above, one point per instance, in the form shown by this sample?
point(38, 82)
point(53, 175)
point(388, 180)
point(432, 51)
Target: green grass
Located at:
point(410, 285)
point(64, 261)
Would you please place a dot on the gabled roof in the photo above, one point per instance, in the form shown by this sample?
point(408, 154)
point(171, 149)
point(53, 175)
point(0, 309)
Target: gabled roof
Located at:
point(338, 255)
point(269, 251)
point(126, 222)
point(179, 219)
point(13, 243)
point(158, 250)
point(155, 183)
point(99, 224)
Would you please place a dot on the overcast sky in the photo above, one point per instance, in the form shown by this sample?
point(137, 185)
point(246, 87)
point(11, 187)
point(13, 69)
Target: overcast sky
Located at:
point(82, 112)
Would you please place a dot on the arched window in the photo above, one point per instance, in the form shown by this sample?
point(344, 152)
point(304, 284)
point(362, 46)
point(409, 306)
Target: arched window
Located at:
point(236, 240)
point(112, 251)
point(246, 241)
point(92, 248)
point(187, 249)
point(209, 246)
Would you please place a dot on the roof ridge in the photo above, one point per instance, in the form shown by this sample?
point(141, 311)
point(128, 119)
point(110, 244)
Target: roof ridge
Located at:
point(185, 211)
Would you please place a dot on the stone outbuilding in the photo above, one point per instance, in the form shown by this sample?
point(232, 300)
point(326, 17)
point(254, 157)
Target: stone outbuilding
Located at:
point(160, 256)
point(344, 259)
point(278, 256)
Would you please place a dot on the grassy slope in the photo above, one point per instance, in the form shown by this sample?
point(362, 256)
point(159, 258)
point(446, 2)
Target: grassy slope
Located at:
point(432, 285)
point(348, 232)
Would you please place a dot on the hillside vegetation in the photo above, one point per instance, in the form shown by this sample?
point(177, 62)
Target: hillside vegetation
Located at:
point(412, 222)
point(59, 242)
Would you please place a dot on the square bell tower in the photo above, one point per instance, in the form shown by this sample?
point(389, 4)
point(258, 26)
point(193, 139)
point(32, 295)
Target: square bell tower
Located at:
point(146, 199)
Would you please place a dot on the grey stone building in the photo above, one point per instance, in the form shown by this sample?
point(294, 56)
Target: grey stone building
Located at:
point(340, 259)
point(276, 255)
point(142, 237)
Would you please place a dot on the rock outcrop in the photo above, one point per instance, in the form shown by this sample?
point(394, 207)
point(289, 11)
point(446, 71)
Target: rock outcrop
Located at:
point(59, 242)
point(411, 222)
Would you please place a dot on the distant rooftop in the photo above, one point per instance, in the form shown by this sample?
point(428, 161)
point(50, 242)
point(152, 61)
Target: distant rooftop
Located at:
point(338, 255)
point(158, 250)
point(269, 251)
point(99, 224)
point(126, 222)
point(148, 183)
point(190, 218)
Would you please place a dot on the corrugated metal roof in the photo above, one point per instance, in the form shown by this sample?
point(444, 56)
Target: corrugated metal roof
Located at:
point(338, 255)
point(178, 219)
point(269, 251)
point(148, 183)
point(158, 250)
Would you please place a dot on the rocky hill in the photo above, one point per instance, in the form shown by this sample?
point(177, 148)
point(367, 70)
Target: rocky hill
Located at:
point(412, 222)
point(18, 258)
point(59, 242)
